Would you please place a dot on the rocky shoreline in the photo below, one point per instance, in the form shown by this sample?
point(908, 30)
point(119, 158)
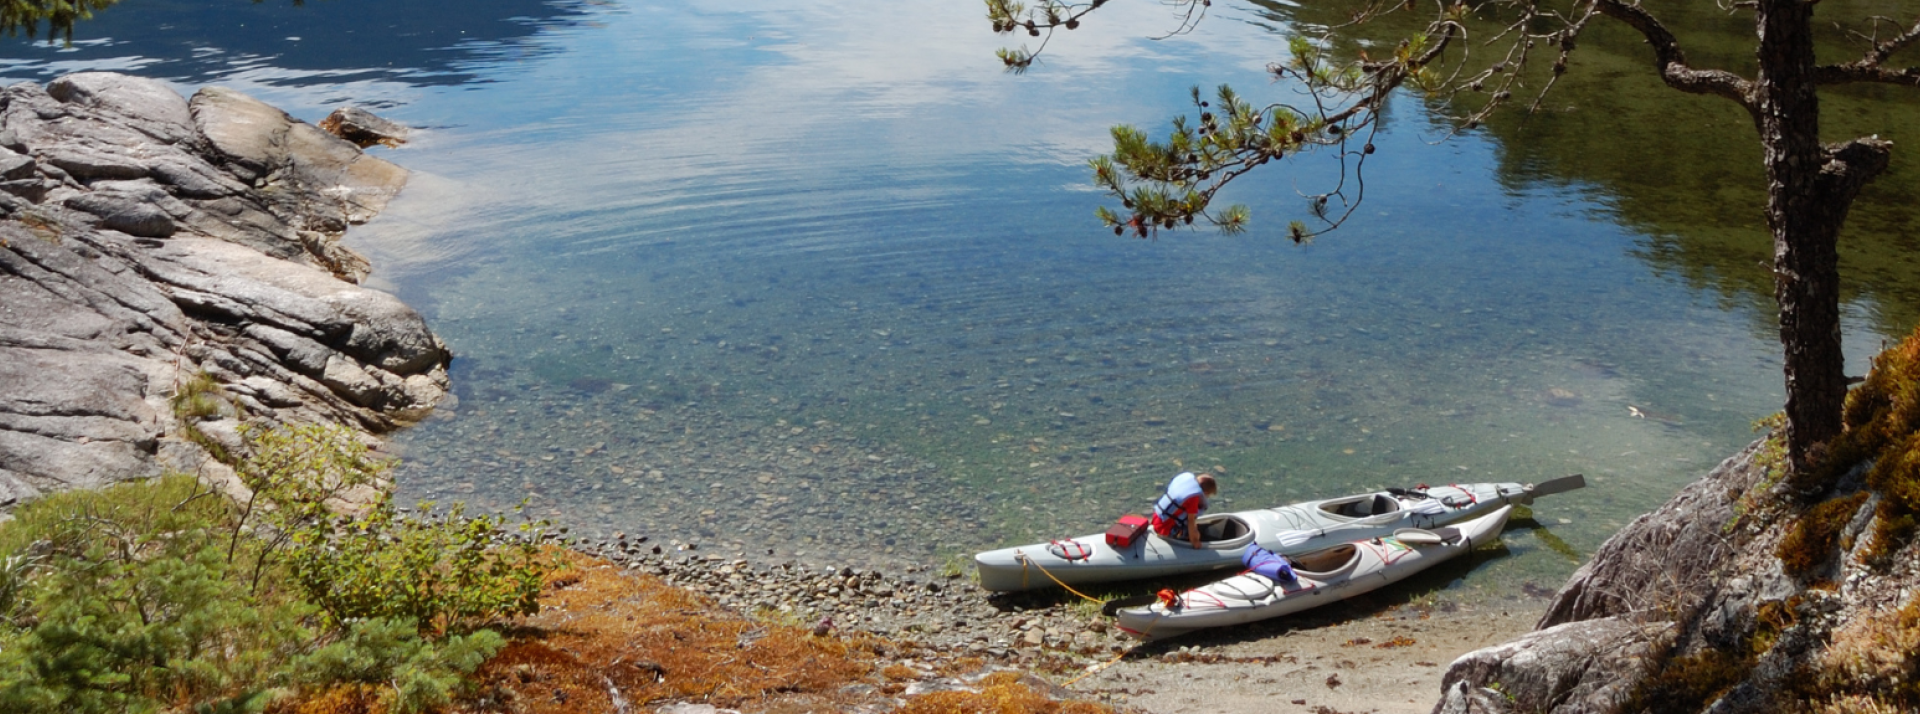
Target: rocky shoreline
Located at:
point(938, 609)
point(148, 241)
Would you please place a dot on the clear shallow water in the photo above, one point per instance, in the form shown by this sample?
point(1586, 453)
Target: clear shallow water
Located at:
point(819, 280)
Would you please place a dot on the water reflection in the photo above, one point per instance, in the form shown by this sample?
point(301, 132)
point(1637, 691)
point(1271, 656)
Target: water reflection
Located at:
point(319, 44)
point(1685, 170)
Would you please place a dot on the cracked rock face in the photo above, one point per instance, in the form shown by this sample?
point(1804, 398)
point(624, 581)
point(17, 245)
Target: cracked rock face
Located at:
point(146, 238)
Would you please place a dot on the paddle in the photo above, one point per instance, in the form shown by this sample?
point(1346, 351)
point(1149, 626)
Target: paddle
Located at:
point(1416, 536)
point(1289, 539)
point(1559, 485)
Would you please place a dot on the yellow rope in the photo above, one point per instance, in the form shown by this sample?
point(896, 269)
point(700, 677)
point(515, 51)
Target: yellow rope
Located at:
point(1025, 561)
point(1096, 668)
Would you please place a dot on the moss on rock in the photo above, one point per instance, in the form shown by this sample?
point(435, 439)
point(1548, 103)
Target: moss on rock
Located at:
point(1815, 539)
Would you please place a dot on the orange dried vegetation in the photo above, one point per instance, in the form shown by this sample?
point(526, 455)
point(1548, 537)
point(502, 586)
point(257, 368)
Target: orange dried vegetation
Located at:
point(1000, 693)
point(344, 699)
point(602, 630)
point(1882, 419)
point(604, 633)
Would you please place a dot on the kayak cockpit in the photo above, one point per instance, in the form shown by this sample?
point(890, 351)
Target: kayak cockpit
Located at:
point(1361, 506)
point(1221, 531)
point(1322, 564)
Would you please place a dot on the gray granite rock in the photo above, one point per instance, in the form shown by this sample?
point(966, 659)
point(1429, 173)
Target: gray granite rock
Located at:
point(262, 143)
point(145, 239)
point(1585, 666)
point(145, 105)
point(14, 165)
point(132, 213)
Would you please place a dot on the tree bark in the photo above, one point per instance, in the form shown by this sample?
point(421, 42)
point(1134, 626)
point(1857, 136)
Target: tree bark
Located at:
point(1806, 264)
point(1809, 189)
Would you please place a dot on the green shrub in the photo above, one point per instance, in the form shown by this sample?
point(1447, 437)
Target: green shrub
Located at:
point(130, 604)
point(157, 505)
point(163, 596)
point(423, 675)
point(444, 572)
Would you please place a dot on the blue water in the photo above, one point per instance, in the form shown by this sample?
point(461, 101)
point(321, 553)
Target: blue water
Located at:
point(819, 280)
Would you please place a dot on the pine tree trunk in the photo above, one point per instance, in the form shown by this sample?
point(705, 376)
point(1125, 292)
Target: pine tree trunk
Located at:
point(1805, 222)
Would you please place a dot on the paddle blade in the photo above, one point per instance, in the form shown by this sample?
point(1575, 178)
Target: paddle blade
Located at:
point(1415, 536)
point(1559, 485)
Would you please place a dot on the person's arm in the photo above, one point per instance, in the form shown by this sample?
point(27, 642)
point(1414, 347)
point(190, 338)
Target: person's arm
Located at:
point(1192, 507)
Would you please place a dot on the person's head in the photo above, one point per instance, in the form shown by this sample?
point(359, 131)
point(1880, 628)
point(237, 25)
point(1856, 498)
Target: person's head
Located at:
point(1208, 484)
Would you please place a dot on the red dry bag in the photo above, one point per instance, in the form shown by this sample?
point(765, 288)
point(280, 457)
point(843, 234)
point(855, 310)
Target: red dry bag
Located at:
point(1129, 529)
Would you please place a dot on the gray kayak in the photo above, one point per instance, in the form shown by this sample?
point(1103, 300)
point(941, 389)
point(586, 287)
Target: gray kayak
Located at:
point(1320, 577)
point(1289, 529)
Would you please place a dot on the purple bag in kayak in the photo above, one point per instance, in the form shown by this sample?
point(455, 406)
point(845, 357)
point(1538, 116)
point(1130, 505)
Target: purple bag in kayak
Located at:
point(1266, 562)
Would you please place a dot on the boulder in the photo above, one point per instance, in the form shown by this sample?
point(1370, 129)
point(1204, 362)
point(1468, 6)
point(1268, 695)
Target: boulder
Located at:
point(1692, 605)
point(14, 166)
point(172, 239)
point(1567, 669)
point(336, 181)
point(364, 128)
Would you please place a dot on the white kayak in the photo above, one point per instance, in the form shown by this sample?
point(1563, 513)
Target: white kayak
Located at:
point(1296, 528)
point(1321, 577)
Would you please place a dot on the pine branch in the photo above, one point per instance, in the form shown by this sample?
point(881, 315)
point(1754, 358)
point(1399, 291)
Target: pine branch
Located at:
point(1009, 16)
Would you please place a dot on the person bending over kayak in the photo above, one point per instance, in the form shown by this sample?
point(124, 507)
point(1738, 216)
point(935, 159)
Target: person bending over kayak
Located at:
point(1179, 509)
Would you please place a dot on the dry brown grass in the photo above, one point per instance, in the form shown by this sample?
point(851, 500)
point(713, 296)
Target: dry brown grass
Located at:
point(1857, 704)
point(1878, 654)
point(1000, 693)
point(344, 699)
point(604, 633)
